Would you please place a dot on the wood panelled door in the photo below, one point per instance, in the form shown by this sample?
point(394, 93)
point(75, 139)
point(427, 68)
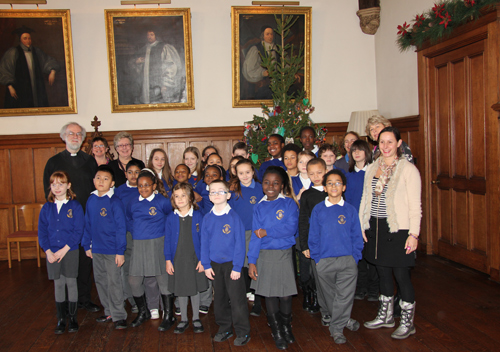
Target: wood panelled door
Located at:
point(457, 125)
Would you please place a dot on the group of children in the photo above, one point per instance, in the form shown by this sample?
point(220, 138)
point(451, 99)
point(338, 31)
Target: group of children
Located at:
point(200, 224)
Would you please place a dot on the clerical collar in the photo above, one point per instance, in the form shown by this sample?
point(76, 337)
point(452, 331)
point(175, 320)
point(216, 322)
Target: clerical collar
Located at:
point(319, 188)
point(25, 48)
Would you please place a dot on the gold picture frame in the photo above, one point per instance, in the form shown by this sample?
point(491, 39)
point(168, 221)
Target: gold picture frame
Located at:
point(250, 89)
point(47, 87)
point(145, 72)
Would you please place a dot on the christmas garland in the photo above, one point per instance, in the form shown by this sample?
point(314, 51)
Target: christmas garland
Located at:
point(440, 21)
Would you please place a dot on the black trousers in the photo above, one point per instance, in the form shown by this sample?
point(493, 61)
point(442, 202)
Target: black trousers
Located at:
point(367, 278)
point(230, 301)
point(84, 279)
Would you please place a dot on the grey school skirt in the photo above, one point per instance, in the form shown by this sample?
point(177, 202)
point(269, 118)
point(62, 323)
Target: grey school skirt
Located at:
point(275, 274)
point(147, 258)
point(68, 266)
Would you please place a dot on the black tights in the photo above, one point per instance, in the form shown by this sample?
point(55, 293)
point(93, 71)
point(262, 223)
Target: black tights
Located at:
point(402, 276)
point(279, 304)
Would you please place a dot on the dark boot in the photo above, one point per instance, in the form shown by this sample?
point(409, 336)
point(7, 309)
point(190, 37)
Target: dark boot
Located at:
point(275, 324)
point(314, 308)
point(144, 313)
point(286, 327)
point(73, 322)
point(306, 292)
point(61, 308)
point(168, 312)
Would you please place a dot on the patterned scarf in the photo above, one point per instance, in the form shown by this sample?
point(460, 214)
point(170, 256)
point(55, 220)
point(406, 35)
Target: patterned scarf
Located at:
point(384, 178)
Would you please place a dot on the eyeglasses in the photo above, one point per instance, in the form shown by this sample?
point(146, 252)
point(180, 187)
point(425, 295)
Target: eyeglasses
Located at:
point(220, 193)
point(123, 145)
point(146, 185)
point(78, 134)
point(99, 146)
point(336, 184)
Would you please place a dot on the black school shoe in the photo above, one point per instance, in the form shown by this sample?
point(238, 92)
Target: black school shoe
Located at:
point(198, 326)
point(120, 324)
point(104, 319)
point(223, 336)
point(89, 306)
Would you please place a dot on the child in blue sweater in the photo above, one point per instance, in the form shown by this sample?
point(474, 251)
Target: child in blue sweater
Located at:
point(105, 241)
point(211, 173)
point(335, 245)
point(274, 227)
point(246, 192)
point(275, 145)
point(182, 252)
point(128, 192)
point(223, 256)
point(60, 230)
point(147, 215)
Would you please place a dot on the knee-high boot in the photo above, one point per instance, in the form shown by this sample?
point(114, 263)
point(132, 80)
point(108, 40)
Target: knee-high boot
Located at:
point(168, 312)
point(61, 308)
point(144, 313)
point(73, 322)
point(274, 323)
point(286, 327)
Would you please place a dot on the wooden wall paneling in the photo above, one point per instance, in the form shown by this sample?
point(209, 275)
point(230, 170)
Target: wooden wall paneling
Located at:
point(175, 150)
point(40, 157)
point(23, 182)
point(6, 226)
point(225, 149)
point(5, 177)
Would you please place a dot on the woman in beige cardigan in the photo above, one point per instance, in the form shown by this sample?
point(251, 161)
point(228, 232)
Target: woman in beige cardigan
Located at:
point(390, 214)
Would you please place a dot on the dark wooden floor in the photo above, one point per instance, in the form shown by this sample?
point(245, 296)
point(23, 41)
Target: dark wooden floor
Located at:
point(457, 310)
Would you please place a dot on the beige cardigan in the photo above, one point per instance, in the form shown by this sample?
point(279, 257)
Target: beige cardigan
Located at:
point(404, 209)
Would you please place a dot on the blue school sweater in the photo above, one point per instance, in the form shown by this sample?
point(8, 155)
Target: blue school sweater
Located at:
point(244, 204)
point(172, 228)
point(280, 219)
point(57, 230)
point(354, 188)
point(127, 194)
point(105, 227)
point(335, 231)
point(147, 216)
point(205, 205)
point(297, 184)
point(223, 239)
point(266, 164)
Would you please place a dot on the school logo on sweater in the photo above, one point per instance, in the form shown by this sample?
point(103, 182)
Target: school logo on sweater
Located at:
point(226, 229)
point(152, 211)
point(70, 213)
point(103, 212)
point(280, 214)
point(341, 219)
point(197, 227)
point(253, 199)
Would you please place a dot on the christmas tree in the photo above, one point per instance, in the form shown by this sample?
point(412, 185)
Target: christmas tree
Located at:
point(291, 109)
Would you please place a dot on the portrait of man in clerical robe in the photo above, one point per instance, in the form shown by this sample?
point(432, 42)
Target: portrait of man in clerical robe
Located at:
point(151, 70)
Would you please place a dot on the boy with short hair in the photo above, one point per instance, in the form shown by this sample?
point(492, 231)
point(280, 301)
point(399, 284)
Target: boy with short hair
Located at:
point(335, 244)
point(104, 240)
point(313, 296)
point(240, 149)
point(307, 137)
point(222, 257)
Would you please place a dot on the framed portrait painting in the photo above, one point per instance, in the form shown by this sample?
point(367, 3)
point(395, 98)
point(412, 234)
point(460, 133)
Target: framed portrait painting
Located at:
point(254, 34)
point(150, 59)
point(37, 75)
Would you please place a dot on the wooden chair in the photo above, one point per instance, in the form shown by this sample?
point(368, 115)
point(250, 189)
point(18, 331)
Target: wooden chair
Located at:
point(28, 214)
